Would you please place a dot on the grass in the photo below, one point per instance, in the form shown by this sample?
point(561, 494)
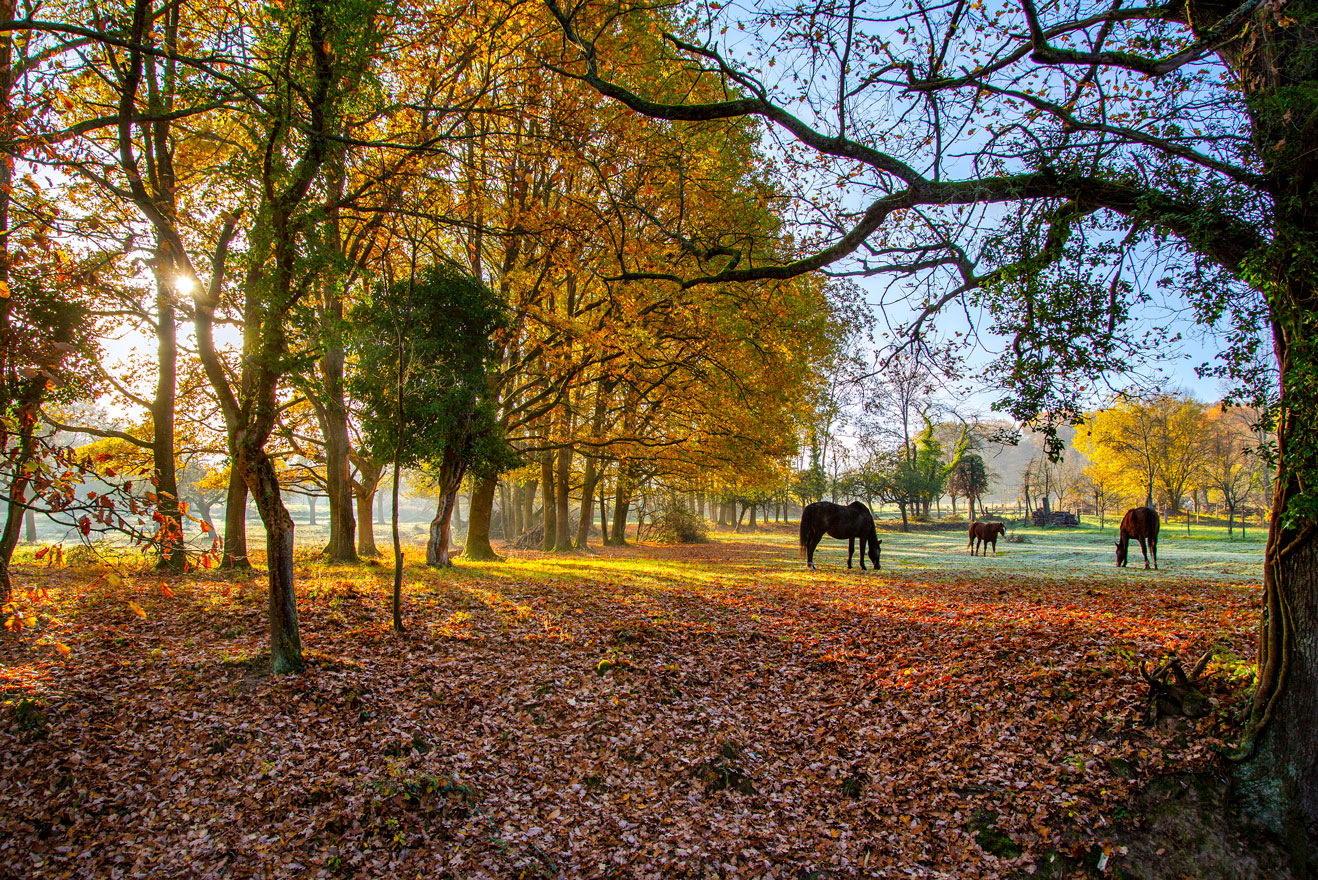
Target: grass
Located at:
point(660, 708)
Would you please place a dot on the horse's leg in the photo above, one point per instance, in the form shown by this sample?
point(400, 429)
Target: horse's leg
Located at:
point(851, 551)
point(810, 544)
point(863, 541)
point(1144, 550)
point(994, 541)
point(1153, 550)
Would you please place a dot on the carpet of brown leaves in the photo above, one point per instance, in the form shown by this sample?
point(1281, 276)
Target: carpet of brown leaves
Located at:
point(641, 712)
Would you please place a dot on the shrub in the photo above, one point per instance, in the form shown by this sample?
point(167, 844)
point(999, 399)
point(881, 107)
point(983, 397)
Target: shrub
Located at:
point(675, 524)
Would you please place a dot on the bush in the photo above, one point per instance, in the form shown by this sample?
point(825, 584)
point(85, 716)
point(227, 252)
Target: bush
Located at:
point(675, 524)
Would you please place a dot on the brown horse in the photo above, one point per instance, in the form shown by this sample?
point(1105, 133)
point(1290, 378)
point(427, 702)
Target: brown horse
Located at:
point(1142, 524)
point(983, 534)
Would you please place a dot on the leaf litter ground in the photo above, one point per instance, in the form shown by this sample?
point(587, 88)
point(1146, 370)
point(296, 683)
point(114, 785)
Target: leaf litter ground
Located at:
point(711, 710)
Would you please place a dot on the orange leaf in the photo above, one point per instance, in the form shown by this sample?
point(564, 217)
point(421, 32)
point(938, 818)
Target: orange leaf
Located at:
point(136, 609)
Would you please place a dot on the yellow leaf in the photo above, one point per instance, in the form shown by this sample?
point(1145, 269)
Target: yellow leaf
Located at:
point(137, 609)
point(62, 648)
point(4, 290)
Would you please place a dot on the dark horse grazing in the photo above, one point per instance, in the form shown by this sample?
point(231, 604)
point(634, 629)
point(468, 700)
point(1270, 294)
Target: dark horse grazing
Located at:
point(985, 533)
point(850, 522)
point(1140, 523)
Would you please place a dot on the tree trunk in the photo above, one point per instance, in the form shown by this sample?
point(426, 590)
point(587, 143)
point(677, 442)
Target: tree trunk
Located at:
point(342, 543)
point(751, 525)
point(906, 526)
point(204, 509)
point(550, 504)
point(258, 471)
point(621, 504)
point(27, 419)
point(235, 524)
point(528, 507)
point(311, 510)
point(604, 517)
point(30, 526)
point(437, 546)
point(173, 555)
point(563, 516)
point(588, 480)
point(398, 544)
point(478, 521)
point(506, 510)
point(365, 528)
point(1279, 778)
point(512, 528)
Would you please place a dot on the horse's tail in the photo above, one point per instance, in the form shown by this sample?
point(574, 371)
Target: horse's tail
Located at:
point(800, 550)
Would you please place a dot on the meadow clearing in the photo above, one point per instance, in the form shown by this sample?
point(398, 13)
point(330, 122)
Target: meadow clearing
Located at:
point(646, 711)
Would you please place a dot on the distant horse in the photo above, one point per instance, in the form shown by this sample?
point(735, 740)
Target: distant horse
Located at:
point(850, 522)
point(985, 533)
point(1140, 523)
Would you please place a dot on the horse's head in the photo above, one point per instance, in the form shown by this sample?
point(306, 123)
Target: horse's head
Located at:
point(876, 551)
point(997, 529)
point(1122, 547)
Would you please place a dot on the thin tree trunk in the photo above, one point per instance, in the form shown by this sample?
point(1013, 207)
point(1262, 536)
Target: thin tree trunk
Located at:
point(604, 517)
point(398, 544)
point(204, 510)
point(550, 505)
point(30, 526)
point(173, 555)
point(506, 510)
point(311, 510)
point(563, 516)
point(27, 419)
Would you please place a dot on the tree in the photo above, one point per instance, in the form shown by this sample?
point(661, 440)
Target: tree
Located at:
point(1231, 460)
point(969, 478)
point(1102, 481)
point(423, 347)
point(1185, 130)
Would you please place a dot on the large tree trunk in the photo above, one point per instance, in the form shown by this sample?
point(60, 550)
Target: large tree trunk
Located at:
point(562, 515)
point(258, 470)
point(478, 525)
point(342, 543)
point(365, 528)
point(588, 480)
point(437, 546)
point(604, 517)
point(235, 524)
point(331, 409)
point(30, 526)
point(621, 504)
point(1279, 779)
point(311, 510)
